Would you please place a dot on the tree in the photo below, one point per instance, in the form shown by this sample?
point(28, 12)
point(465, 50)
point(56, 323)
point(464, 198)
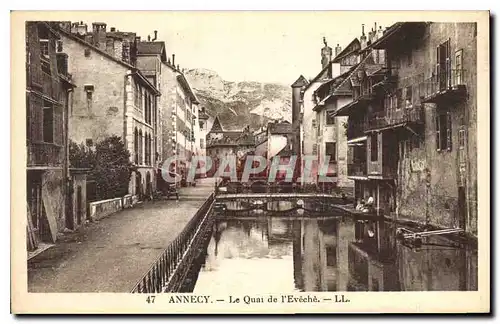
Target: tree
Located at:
point(81, 156)
point(112, 169)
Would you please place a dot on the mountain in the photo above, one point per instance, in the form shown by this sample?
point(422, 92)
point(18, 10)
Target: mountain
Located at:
point(240, 103)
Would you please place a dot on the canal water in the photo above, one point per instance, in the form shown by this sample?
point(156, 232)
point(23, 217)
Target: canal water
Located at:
point(266, 253)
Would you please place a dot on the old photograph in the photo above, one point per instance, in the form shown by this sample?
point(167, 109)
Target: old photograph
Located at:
point(252, 158)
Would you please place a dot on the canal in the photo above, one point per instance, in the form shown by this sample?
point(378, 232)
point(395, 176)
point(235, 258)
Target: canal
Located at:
point(270, 252)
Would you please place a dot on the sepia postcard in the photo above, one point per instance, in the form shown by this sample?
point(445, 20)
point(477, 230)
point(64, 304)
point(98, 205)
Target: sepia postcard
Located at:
point(191, 162)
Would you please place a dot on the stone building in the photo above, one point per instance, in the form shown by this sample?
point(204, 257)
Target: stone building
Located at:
point(222, 143)
point(323, 135)
point(49, 89)
point(113, 97)
point(417, 109)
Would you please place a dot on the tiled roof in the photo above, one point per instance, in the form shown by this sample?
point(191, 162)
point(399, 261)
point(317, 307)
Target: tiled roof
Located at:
point(283, 127)
point(150, 47)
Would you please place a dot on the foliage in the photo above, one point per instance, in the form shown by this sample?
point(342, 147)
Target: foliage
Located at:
point(112, 169)
point(81, 156)
point(109, 164)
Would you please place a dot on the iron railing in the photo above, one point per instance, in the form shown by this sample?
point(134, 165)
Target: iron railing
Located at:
point(44, 154)
point(444, 80)
point(166, 273)
point(381, 119)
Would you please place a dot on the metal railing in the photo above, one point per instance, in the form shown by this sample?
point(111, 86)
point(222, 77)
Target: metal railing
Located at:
point(442, 81)
point(44, 154)
point(412, 114)
point(166, 273)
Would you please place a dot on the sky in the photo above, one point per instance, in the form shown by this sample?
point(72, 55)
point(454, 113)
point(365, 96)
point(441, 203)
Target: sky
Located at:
point(243, 46)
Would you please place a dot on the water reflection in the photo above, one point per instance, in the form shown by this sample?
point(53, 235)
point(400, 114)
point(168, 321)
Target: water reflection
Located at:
point(276, 254)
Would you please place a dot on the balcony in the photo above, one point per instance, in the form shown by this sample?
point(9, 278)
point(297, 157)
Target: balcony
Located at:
point(44, 155)
point(355, 129)
point(357, 169)
point(413, 114)
point(448, 85)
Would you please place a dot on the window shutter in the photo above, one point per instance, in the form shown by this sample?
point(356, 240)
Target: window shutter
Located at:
point(448, 63)
point(438, 57)
point(438, 133)
point(448, 131)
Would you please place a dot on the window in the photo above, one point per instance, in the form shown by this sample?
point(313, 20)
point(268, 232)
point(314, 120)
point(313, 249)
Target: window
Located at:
point(48, 123)
point(136, 146)
point(87, 52)
point(458, 66)
point(89, 142)
point(89, 90)
point(329, 119)
point(44, 48)
point(443, 64)
point(407, 95)
point(331, 151)
point(374, 147)
point(461, 138)
point(315, 149)
point(443, 131)
point(202, 143)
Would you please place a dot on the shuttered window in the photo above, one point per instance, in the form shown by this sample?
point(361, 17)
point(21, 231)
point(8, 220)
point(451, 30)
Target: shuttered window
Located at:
point(443, 131)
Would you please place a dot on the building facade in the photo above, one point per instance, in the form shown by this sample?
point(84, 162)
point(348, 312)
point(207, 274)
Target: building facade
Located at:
point(223, 143)
point(323, 135)
point(49, 89)
point(415, 106)
point(113, 98)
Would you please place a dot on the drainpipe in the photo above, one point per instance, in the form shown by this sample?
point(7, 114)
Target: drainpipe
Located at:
point(125, 112)
point(66, 175)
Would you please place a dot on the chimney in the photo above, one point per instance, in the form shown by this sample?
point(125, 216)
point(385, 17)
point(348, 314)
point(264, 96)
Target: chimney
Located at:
point(99, 34)
point(156, 36)
point(380, 32)
point(338, 49)
point(149, 38)
point(113, 29)
point(362, 39)
point(371, 34)
point(177, 67)
point(173, 60)
point(326, 54)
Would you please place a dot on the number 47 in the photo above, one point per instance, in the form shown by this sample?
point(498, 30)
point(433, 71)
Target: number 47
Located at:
point(150, 299)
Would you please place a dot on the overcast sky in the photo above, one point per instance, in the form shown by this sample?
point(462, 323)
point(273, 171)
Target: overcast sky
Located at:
point(244, 46)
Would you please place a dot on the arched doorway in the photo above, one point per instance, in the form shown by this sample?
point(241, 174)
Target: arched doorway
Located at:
point(138, 184)
point(149, 186)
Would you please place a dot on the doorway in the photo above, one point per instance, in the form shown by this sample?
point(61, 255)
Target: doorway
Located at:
point(461, 207)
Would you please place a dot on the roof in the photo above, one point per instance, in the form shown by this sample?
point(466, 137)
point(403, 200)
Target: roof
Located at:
point(185, 84)
point(346, 51)
point(283, 127)
point(150, 48)
point(286, 151)
point(338, 87)
point(300, 82)
point(393, 31)
point(96, 49)
point(216, 126)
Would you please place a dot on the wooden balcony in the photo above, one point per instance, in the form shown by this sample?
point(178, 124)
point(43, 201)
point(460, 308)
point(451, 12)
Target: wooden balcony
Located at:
point(44, 155)
point(413, 114)
point(446, 86)
point(357, 169)
point(355, 129)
